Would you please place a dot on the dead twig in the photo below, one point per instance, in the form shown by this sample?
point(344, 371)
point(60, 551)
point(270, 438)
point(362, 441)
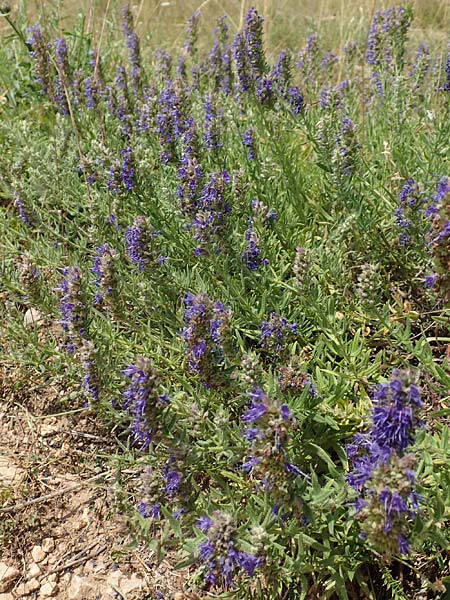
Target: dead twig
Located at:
point(88, 436)
point(66, 490)
point(79, 561)
point(75, 562)
point(77, 555)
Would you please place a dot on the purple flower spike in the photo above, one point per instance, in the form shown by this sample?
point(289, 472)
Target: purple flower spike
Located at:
point(382, 470)
point(63, 79)
point(128, 172)
point(204, 523)
point(267, 461)
point(173, 481)
point(430, 280)
point(143, 401)
point(223, 562)
point(205, 335)
point(41, 56)
point(275, 334)
point(139, 240)
point(249, 141)
point(105, 281)
point(446, 84)
point(255, 412)
point(249, 562)
point(285, 412)
point(133, 47)
point(23, 213)
point(87, 355)
point(251, 256)
point(212, 124)
point(192, 33)
point(73, 307)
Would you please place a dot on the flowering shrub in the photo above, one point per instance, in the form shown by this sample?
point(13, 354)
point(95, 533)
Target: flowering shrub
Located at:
point(256, 239)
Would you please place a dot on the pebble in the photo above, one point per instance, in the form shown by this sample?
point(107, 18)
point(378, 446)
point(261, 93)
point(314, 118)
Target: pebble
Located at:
point(32, 317)
point(80, 588)
point(78, 525)
point(113, 578)
point(7, 576)
point(38, 554)
point(25, 589)
point(9, 472)
point(33, 570)
point(32, 585)
point(48, 590)
point(131, 584)
point(52, 559)
point(94, 566)
point(49, 429)
point(48, 545)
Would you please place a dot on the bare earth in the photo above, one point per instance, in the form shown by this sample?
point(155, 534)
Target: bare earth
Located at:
point(60, 533)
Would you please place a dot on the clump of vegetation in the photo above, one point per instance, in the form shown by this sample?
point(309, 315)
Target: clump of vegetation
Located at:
point(249, 258)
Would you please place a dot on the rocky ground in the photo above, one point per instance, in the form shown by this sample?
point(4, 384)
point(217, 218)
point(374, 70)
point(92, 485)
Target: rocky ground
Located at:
point(60, 533)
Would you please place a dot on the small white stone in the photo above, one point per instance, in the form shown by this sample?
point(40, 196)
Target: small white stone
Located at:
point(112, 580)
point(51, 560)
point(10, 473)
point(38, 554)
point(80, 588)
point(127, 585)
point(24, 589)
point(7, 576)
point(94, 566)
point(33, 570)
point(78, 525)
point(48, 545)
point(64, 580)
point(32, 585)
point(48, 590)
point(32, 318)
point(47, 430)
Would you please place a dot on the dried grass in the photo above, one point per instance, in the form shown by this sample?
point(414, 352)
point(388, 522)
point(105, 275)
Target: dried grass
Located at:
point(287, 22)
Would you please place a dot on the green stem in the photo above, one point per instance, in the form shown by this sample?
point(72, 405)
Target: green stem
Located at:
point(19, 33)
